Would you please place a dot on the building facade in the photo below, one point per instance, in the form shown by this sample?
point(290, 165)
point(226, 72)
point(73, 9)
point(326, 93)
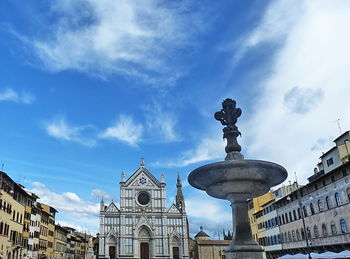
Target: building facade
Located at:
point(144, 227)
point(202, 247)
point(314, 217)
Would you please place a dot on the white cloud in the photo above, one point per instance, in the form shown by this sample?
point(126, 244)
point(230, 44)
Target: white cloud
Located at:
point(68, 204)
point(301, 100)
point(19, 97)
point(208, 149)
point(60, 129)
point(314, 54)
point(213, 214)
point(133, 38)
point(124, 130)
point(161, 122)
point(99, 194)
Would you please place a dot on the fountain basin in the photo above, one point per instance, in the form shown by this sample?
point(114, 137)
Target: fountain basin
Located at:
point(237, 179)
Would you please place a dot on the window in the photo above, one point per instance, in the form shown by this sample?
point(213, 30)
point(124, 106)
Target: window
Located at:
point(320, 205)
point(330, 161)
point(324, 230)
point(328, 204)
point(348, 192)
point(302, 234)
point(324, 183)
point(298, 235)
point(316, 231)
point(333, 229)
point(332, 178)
point(343, 226)
point(305, 211)
point(344, 172)
point(312, 209)
point(337, 199)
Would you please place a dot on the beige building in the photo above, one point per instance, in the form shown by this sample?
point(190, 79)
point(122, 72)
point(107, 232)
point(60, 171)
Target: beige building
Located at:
point(202, 247)
point(61, 242)
point(255, 207)
point(13, 199)
point(47, 229)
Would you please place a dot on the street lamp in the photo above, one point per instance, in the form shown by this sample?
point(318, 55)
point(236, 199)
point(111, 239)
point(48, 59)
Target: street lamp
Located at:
point(303, 220)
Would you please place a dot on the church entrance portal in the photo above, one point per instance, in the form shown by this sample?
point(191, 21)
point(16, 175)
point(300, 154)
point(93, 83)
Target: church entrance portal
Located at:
point(176, 253)
point(112, 252)
point(144, 251)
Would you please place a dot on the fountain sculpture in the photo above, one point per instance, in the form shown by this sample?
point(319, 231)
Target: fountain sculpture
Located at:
point(237, 179)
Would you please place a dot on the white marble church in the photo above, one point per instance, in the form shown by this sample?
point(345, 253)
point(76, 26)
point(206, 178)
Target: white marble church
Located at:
point(143, 227)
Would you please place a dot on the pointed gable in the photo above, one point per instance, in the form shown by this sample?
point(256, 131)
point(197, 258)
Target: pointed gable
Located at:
point(142, 177)
point(173, 209)
point(112, 208)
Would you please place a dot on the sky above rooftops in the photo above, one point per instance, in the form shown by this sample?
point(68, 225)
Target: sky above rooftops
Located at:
point(88, 87)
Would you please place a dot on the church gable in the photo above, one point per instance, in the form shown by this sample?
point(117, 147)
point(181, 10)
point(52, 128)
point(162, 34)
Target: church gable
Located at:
point(142, 177)
point(173, 209)
point(112, 208)
point(144, 222)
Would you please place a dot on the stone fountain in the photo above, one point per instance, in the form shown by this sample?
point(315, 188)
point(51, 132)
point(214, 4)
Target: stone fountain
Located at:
point(237, 179)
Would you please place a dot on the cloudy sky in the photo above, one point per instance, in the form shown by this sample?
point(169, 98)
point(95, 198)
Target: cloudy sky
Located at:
point(88, 87)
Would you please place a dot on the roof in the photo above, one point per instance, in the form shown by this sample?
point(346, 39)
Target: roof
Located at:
point(144, 170)
point(346, 132)
point(214, 242)
point(201, 234)
point(327, 152)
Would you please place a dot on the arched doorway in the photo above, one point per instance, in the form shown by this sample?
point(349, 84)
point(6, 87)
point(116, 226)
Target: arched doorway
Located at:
point(144, 241)
point(175, 247)
point(112, 247)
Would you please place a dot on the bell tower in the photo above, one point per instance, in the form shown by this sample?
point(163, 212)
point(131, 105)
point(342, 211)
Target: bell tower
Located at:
point(180, 199)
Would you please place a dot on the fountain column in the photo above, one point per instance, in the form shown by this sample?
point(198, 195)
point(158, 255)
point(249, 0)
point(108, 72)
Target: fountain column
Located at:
point(237, 180)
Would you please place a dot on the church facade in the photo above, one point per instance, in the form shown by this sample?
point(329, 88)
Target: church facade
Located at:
point(144, 227)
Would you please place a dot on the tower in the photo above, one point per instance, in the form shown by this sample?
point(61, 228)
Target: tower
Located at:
point(180, 199)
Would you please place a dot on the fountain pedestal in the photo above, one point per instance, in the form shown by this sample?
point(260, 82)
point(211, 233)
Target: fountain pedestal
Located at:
point(237, 180)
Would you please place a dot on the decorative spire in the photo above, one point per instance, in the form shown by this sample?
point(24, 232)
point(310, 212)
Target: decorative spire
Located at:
point(201, 228)
point(228, 116)
point(142, 163)
point(180, 199)
point(178, 184)
point(122, 177)
point(162, 178)
point(102, 204)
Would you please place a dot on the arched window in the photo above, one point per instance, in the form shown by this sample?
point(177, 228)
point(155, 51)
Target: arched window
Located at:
point(298, 235)
point(333, 228)
point(320, 205)
point(337, 199)
point(308, 233)
point(1, 227)
point(312, 209)
point(302, 234)
point(324, 230)
point(343, 226)
point(316, 231)
point(328, 203)
point(289, 236)
point(305, 211)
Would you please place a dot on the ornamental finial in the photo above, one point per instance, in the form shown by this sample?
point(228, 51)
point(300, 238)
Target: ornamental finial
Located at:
point(228, 116)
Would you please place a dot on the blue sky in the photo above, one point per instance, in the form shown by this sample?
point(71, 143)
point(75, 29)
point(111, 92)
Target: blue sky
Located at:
point(89, 87)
